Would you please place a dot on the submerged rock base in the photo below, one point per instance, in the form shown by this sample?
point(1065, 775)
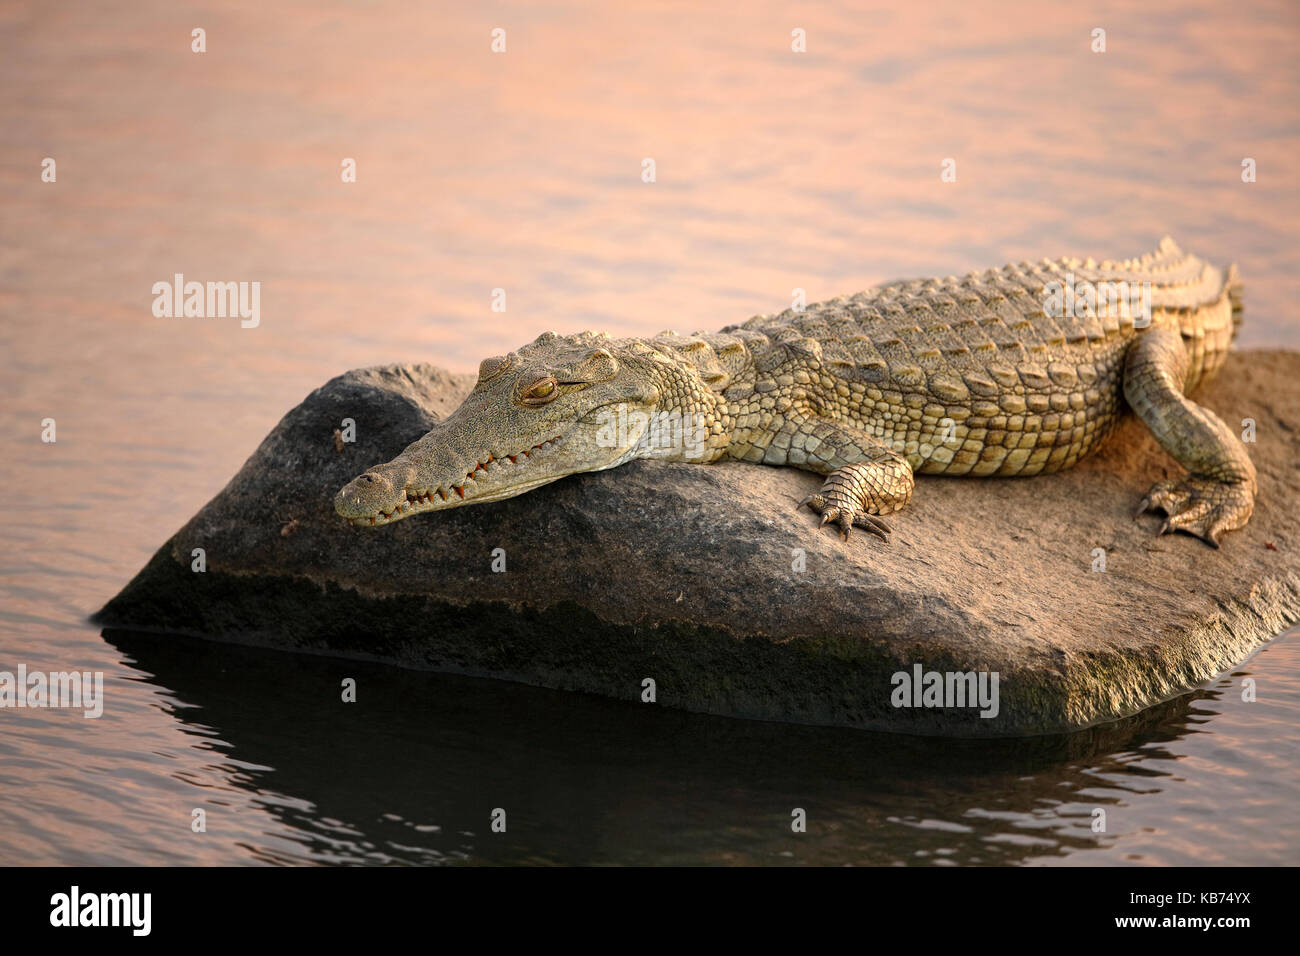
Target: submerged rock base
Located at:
point(711, 582)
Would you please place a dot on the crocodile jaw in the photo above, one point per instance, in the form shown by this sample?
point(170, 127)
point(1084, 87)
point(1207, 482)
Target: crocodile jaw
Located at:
point(431, 476)
point(492, 479)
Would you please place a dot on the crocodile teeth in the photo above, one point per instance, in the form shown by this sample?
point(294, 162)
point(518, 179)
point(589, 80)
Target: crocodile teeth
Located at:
point(421, 499)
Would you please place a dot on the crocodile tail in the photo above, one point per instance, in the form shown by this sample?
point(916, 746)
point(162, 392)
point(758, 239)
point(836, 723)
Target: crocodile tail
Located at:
point(1233, 285)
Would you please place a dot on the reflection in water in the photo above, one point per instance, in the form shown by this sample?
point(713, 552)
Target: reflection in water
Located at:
point(412, 770)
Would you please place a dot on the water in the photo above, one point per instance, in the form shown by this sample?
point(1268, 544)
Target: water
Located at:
point(410, 773)
point(522, 172)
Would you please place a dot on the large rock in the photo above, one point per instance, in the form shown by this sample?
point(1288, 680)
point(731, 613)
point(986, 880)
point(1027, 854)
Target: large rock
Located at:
point(686, 573)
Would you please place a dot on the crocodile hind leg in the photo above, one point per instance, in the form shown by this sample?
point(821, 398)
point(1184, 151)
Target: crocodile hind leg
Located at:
point(865, 478)
point(1218, 494)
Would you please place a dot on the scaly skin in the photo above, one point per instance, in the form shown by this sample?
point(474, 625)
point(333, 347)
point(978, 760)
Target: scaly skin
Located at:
point(968, 376)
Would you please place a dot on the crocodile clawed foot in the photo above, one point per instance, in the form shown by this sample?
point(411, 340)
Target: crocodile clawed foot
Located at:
point(841, 509)
point(1200, 506)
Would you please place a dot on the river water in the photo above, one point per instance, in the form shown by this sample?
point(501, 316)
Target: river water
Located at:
point(522, 171)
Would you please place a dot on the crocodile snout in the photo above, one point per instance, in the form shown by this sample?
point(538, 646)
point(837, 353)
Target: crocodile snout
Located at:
point(368, 495)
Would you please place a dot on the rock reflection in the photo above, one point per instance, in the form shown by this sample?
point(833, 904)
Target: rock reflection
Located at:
point(411, 772)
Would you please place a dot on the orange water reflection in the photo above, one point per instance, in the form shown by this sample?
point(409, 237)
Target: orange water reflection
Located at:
point(521, 171)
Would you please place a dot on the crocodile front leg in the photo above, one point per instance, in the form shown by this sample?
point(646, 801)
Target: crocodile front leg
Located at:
point(864, 477)
point(1219, 493)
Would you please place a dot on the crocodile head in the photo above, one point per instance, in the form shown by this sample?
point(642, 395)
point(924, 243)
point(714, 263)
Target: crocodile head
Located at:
point(534, 416)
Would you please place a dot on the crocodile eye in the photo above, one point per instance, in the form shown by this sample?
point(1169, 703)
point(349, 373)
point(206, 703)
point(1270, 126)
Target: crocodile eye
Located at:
point(541, 393)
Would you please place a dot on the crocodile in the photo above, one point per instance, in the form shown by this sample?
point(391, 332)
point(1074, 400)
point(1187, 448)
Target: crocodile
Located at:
point(1016, 371)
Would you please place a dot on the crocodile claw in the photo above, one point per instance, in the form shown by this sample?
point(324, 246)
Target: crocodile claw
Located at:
point(845, 514)
point(1200, 506)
